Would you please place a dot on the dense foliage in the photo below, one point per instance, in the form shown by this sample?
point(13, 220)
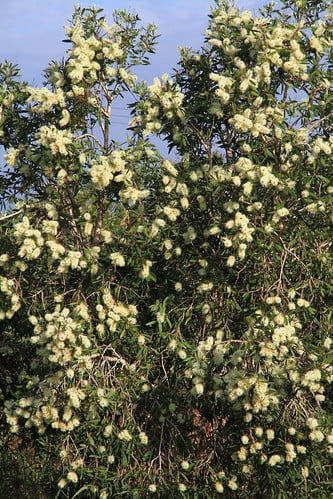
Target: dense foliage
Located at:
point(166, 326)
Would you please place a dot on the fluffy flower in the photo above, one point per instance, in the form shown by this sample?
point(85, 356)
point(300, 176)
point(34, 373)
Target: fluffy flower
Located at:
point(316, 436)
point(54, 139)
point(171, 213)
point(72, 477)
point(117, 259)
point(146, 269)
point(143, 438)
point(275, 459)
point(125, 436)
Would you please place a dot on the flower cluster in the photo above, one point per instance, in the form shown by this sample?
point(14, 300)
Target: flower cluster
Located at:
point(165, 100)
point(44, 99)
point(31, 240)
point(11, 301)
point(54, 139)
point(83, 60)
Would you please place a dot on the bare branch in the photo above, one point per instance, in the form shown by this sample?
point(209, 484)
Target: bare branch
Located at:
point(11, 215)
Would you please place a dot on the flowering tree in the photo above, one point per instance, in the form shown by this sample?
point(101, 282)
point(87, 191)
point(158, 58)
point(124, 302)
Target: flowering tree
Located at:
point(172, 320)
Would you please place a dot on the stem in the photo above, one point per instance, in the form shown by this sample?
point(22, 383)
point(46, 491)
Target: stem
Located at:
point(11, 215)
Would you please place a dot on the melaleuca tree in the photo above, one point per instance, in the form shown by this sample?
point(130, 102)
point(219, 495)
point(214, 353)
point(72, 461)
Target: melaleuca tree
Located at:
point(178, 314)
point(74, 187)
point(248, 242)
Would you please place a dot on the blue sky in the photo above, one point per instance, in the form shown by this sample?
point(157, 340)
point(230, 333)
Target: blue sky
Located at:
point(31, 30)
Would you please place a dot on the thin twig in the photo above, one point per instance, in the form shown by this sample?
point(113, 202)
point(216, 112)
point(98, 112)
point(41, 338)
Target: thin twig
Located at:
point(89, 135)
point(11, 215)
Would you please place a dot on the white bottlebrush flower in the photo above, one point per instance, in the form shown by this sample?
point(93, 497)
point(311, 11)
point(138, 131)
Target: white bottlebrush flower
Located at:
point(290, 452)
point(65, 118)
point(72, 477)
point(316, 44)
point(241, 123)
point(75, 396)
point(245, 439)
point(146, 269)
point(231, 261)
point(182, 189)
point(275, 459)
point(125, 436)
point(101, 174)
point(198, 389)
point(62, 483)
point(309, 378)
point(141, 340)
point(44, 100)
point(303, 303)
point(117, 259)
point(327, 343)
point(55, 139)
point(172, 345)
point(11, 156)
point(160, 316)
point(170, 168)
point(305, 471)
point(219, 487)
point(242, 454)
point(182, 354)
point(270, 434)
point(204, 287)
point(133, 195)
point(4, 258)
point(171, 213)
point(107, 431)
point(329, 437)
point(259, 431)
point(184, 202)
point(316, 436)
point(247, 188)
point(232, 484)
point(67, 414)
point(143, 438)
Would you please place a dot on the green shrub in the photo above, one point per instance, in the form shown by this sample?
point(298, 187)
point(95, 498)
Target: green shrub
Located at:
point(166, 326)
